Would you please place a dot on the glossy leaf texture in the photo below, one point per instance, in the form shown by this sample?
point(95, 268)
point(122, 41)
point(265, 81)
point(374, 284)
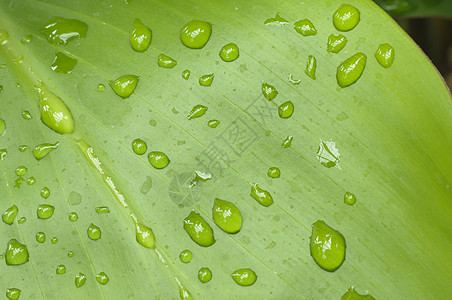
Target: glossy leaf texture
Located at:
point(385, 138)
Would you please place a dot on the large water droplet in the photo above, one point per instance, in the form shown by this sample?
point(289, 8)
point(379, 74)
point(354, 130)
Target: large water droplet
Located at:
point(94, 232)
point(195, 34)
point(327, 246)
point(158, 160)
point(31, 180)
point(73, 217)
point(285, 110)
point(61, 269)
point(80, 280)
point(125, 85)
point(61, 30)
point(269, 91)
point(43, 149)
point(311, 66)
point(141, 36)
point(102, 278)
point(197, 111)
point(54, 240)
point(385, 55)
point(20, 171)
point(349, 198)
point(16, 253)
point(199, 230)
point(244, 277)
point(327, 154)
point(274, 172)
point(13, 293)
point(229, 52)
point(139, 146)
point(305, 27)
point(63, 63)
point(351, 69)
point(185, 256)
point(144, 236)
point(45, 192)
point(10, 214)
point(206, 80)
point(40, 237)
point(351, 294)
point(204, 275)
point(346, 17)
point(336, 43)
point(45, 211)
point(227, 216)
point(54, 112)
point(166, 61)
point(261, 196)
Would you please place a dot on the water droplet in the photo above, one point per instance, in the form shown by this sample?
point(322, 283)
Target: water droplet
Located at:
point(293, 80)
point(351, 69)
point(70, 254)
point(80, 280)
point(349, 198)
point(102, 278)
point(305, 27)
point(269, 91)
point(43, 149)
point(31, 180)
point(327, 154)
point(54, 112)
point(327, 246)
point(61, 30)
point(244, 277)
point(18, 182)
point(229, 52)
point(102, 210)
point(26, 115)
point(40, 237)
point(351, 294)
point(45, 192)
point(197, 111)
point(141, 36)
point(336, 43)
point(54, 240)
point(385, 55)
point(3, 154)
point(274, 172)
point(73, 217)
point(261, 196)
point(45, 211)
point(22, 148)
point(287, 142)
point(199, 177)
point(27, 39)
point(227, 216)
point(158, 160)
point(4, 37)
point(124, 85)
point(185, 256)
point(144, 236)
point(311, 66)
point(22, 220)
point(199, 230)
point(94, 232)
point(346, 17)
point(285, 110)
point(204, 275)
point(195, 34)
point(139, 146)
point(61, 269)
point(74, 198)
point(100, 87)
point(20, 171)
point(166, 61)
point(63, 63)
point(10, 214)
point(276, 21)
point(186, 74)
point(2, 126)
point(206, 80)
point(16, 253)
point(13, 293)
point(213, 123)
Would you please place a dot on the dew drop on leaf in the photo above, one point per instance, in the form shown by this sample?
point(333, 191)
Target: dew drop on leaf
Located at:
point(61, 269)
point(158, 160)
point(165, 61)
point(26, 115)
point(20, 171)
point(311, 66)
point(285, 110)
point(269, 91)
point(140, 37)
point(31, 180)
point(80, 280)
point(125, 85)
point(273, 172)
point(102, 210)
point(63, 63)
point(195, 34)
point(305, 27)
point(42, 150)
point(73, 217)
point(244, 277)
point(40, 237)
point(16, 253)
point(199, 230)
point(351, 294)
point(227, 216)
point(144, 236)
point(385, 55)
point(185, 256)
point(102, 278)
point(336, 43)
point(349, 198)
point(10, 214)
point(61, 30)
point(213, 123)
point(206, 80)
point(287, 142)
point(45, 211)
point(22, 220)
point(197, 111)
point(346, 17)
point(45, 192)
point(276, 21)
point(327, 246)
point(229, 52)
point(13, 293)
point(186, 74)
point(204, 275)
point(94, 232)
point(351, 70)
point(139, 146)
point(260, 195)
point(54, 240)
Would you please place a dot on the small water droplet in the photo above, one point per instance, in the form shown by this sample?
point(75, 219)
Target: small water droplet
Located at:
point(144, 236)
point(18, 182)
point(227, 216)
point(349, 198)
point(61, 269)
point(328, 154)
point(351, 69)
point(385, 55)
point(141, 36)
point(3, 154)
point(305, 27)
point(31, 180)
point(346, 17)
point(351, 294)
point(43, 149)
point(80, 280)
point(73, 217)
point(166, 61)
point(102, 278)
point(199, 230)
point(199, 177)
point(285, 110)
point(10, 214)
point(27, 39)
point(287, 142)
point(63, 63)
point(4, 37)
point(336, 43)
point(206, 80)
point(2, 126)
point(195, 34)
point(274, 172)
point(269, 91)
point(70, 254)
point(229, 52)
point(45, 192)
point(26, 115)
point(22, 148)
point(185, 256)
point(186, 74)
point(260, 195)
point(244, 277)
point(102, 210)
point(204, 275)
point(213, 123)
point(22, 220)
point(13, 293)
point(139, 146)
point(16, 253)
point(40, 237)
point(276, 21)
point(197, 111)
point(158, 160)
point(327, 246)
point(20, 171)
point(61, 30)
point(100, 87)
point(311, 66)
point(45, 211)
point(125, 85)
point(54, 112)
point(94, 232)
point(293, 80)
point(54, 240)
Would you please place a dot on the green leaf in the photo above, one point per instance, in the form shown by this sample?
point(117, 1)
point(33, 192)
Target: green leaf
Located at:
point(385, 138)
